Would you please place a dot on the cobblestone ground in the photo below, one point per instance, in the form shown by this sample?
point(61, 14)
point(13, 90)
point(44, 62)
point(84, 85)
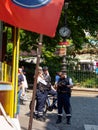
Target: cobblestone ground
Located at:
point(84, 111)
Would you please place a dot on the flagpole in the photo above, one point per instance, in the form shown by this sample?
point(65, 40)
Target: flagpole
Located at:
point(35, 82)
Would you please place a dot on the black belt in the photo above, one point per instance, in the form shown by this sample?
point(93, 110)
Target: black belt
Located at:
point(63, 92)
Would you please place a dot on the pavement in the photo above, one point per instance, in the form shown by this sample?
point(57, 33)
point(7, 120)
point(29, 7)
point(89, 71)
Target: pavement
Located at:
point(84, 112)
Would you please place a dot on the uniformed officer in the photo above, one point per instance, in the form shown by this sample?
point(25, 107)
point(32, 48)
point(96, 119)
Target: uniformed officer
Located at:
point(63, 95)
point(41, 96)
point(50, 90)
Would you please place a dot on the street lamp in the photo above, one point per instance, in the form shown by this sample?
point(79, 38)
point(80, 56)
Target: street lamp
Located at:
point(64, 32)
point(61, 51)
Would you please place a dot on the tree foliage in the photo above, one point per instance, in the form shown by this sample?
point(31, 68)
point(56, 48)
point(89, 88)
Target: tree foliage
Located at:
point(81, 15)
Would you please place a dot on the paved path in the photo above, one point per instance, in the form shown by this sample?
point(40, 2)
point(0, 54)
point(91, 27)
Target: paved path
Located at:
point(84, 111)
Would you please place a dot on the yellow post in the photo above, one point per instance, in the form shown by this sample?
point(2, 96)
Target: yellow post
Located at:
point(2, 72)
point(15, 69)
point(17, 66)
point(5, 71)
point(13, 73)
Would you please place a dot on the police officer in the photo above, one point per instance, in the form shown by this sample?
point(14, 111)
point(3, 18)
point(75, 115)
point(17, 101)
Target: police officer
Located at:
point(63, 95)
point(46, 75)
point(50, 89)
point(41, 96)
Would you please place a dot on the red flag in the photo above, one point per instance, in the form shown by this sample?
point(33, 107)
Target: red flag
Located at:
point(32, 15)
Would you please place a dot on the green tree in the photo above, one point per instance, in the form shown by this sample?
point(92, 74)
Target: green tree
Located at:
point(81, 15)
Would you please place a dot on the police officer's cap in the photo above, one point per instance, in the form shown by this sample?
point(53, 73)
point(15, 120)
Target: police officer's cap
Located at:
point(63, 73)
point(45, 68)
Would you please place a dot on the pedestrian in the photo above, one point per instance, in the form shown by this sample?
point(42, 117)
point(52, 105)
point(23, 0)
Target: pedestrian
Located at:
point(25, 83)
point(46, 74)
point(25, 78)
point(20, 86)
point(64, 86)
point(41, 95)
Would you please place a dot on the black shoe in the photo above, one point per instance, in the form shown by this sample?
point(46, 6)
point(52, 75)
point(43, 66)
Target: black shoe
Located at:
point(59, 120)
point(41, 118)
point(35, 116)
point(68, 121)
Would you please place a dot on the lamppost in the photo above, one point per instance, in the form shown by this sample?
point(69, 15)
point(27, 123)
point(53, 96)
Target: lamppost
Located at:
point(61, 51)
point(64, 32)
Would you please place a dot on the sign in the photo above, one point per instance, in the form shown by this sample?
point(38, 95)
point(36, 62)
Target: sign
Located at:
point(40, 16)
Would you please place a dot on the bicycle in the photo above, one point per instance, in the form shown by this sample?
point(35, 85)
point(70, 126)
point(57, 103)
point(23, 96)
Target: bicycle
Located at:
point(48, 105)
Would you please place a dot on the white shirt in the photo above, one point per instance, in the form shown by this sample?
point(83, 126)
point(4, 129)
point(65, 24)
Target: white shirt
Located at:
point(40, 79)
point(70, 81)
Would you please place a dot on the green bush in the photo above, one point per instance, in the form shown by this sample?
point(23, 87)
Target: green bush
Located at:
point(89, 83)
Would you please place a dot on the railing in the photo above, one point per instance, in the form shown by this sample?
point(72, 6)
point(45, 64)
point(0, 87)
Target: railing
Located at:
point(81, 78)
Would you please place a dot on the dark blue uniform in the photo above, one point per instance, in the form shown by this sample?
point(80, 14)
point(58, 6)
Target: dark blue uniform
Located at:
point(49, 90)
point(63, 96)
point(41, 95)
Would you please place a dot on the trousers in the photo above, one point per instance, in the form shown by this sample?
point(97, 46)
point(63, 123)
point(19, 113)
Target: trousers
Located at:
point(64, 102)
point(40, 101)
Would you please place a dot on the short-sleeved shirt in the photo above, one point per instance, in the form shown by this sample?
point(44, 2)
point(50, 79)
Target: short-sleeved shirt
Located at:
point(20, 79)
point(57, 77)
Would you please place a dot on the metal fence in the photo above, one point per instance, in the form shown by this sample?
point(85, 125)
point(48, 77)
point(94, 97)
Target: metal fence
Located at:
point(81, 78)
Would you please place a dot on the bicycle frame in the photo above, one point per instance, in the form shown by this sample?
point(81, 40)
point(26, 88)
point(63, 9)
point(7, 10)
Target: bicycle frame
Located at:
point(48, 105)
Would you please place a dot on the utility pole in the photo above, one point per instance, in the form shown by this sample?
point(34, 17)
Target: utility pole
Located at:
point(35, 82)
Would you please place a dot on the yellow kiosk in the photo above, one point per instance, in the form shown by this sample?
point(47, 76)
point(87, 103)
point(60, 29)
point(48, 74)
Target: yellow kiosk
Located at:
point(9, 72)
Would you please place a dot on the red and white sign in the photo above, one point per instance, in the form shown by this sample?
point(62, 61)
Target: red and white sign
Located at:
point(43, 19)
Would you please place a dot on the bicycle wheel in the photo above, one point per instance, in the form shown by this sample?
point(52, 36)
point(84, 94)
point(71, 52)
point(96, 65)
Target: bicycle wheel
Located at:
point(45, 108)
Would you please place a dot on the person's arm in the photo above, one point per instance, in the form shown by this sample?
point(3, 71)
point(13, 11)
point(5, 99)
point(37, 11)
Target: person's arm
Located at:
point(42, 81)
point(53, 88)
point(70, 83)
point(56, 79)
